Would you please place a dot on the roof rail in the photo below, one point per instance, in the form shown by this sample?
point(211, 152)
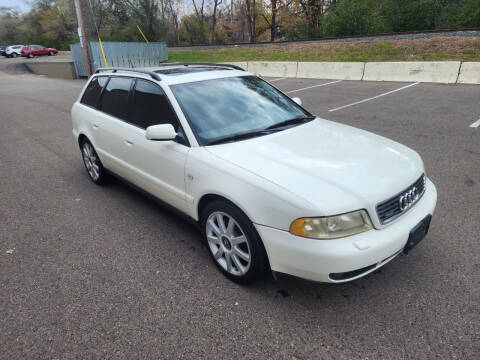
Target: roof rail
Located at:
point(154, 75)
point(204, 64)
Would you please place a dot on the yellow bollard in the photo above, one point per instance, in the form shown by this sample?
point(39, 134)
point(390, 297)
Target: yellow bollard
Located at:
point(141, 32)
point(103, 53)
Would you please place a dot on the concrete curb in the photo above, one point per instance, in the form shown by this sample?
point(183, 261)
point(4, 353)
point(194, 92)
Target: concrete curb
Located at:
point(469, 73)
point(331, 70)
point(435, 71)
point(278, 68)
point(446, 72)
point(54, 69)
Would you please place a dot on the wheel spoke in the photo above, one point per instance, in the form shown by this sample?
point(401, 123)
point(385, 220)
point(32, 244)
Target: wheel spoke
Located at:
point(228, 258)
point(213, 239)
point(239, 252)
point(96, 168)
point(221, 223)
point(219, 253)
point(238, 240)
point(230, 227)
point(214, 227)
point(237, 263)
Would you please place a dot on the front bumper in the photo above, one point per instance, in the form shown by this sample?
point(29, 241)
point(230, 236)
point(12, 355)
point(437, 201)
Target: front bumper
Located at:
point(316, 259)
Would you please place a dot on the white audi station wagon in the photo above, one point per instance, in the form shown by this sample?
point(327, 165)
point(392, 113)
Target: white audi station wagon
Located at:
point(270, 185)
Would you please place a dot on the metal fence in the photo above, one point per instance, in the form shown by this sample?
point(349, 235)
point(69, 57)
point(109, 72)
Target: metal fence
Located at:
point(125, 54)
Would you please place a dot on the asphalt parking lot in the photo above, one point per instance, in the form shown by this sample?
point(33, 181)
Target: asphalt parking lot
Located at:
point(103, 272)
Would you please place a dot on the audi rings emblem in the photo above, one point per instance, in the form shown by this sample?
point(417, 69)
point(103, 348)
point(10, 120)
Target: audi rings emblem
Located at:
point(408, 199)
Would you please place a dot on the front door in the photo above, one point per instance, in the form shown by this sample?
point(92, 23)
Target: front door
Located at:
point(159, 165)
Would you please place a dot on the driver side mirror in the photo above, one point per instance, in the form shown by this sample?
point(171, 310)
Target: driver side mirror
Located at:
point(162, 132)
point(297, 100)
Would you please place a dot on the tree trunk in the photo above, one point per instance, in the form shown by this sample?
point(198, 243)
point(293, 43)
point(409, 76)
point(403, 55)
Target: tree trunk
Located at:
point(273, 23)
point(214, 20)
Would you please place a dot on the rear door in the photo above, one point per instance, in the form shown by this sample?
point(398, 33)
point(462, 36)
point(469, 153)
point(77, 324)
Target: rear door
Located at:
point(111, 127)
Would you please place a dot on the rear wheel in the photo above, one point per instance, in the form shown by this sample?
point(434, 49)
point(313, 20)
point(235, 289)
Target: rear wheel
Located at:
point(14, 55)
point(30, 55)
point(233, 242)
point(92, 163)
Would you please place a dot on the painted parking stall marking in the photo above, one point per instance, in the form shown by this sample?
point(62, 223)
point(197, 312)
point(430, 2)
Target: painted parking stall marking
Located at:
point(314, 86)
point(475, 124)
point(374, 97)
point(273, 80)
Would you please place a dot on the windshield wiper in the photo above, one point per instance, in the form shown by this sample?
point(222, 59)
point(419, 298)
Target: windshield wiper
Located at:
point(294, 121)
point(241, 136)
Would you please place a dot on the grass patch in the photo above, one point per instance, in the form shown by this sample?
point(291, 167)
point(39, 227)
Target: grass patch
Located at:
point(434, 49)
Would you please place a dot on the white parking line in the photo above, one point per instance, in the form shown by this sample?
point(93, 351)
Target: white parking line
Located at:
point(314, 86)
point(373, 98)
point(276, 79)
point(476, 124)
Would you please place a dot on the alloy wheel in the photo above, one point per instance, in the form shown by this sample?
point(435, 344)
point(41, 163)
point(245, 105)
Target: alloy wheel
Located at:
point(91, 161)
point(228, 243)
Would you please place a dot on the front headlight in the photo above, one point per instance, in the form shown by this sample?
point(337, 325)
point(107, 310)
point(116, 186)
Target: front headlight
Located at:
point(332, 227)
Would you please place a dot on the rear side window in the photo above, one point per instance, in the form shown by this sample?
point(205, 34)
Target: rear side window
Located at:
point(92, 92)
point(150, 106)
point(115, 97)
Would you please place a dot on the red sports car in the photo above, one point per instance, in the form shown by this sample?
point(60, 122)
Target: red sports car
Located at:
point(37, 50)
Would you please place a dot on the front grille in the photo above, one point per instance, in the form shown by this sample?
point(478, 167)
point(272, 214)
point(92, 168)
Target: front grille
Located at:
point(391, 209)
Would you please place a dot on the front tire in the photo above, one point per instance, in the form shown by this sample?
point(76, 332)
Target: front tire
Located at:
point(51, 53)
point(30, 56)
point(14, 55)
point(233, 242)
point(92, 163)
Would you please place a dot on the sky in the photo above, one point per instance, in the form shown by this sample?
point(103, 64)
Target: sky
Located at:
point(22, 5)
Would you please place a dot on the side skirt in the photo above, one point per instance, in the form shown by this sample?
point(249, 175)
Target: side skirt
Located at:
point(162, 203)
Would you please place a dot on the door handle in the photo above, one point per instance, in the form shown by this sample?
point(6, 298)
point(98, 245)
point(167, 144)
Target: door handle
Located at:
point(128, 142)
point(95, 126)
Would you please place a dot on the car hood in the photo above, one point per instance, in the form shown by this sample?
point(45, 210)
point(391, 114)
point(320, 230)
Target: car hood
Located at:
point(334, 167)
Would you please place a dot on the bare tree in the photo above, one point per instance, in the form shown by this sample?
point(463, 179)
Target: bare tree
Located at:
point(250, 7)
point(145, 10)
point(216, 3)
point(199, 11)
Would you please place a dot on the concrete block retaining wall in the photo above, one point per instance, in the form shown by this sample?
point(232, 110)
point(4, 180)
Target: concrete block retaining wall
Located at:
point(55, 69)
point(469, 73)
point(447, 72)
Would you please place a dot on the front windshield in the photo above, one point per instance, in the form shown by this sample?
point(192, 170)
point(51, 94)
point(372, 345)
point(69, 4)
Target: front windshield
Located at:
point(224, 107)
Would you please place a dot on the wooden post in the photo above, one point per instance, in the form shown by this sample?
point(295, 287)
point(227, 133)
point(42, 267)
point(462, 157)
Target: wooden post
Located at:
point(83, 38)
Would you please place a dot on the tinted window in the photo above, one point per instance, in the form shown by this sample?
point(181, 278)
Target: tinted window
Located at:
point(92, 92)
point(150, 106)
point(115, 97)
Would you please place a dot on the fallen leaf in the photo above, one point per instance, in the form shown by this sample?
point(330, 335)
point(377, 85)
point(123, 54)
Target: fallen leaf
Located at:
point(78, 199)
point(10, 251)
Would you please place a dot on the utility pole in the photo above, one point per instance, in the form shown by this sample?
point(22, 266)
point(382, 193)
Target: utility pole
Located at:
point(83, 37)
